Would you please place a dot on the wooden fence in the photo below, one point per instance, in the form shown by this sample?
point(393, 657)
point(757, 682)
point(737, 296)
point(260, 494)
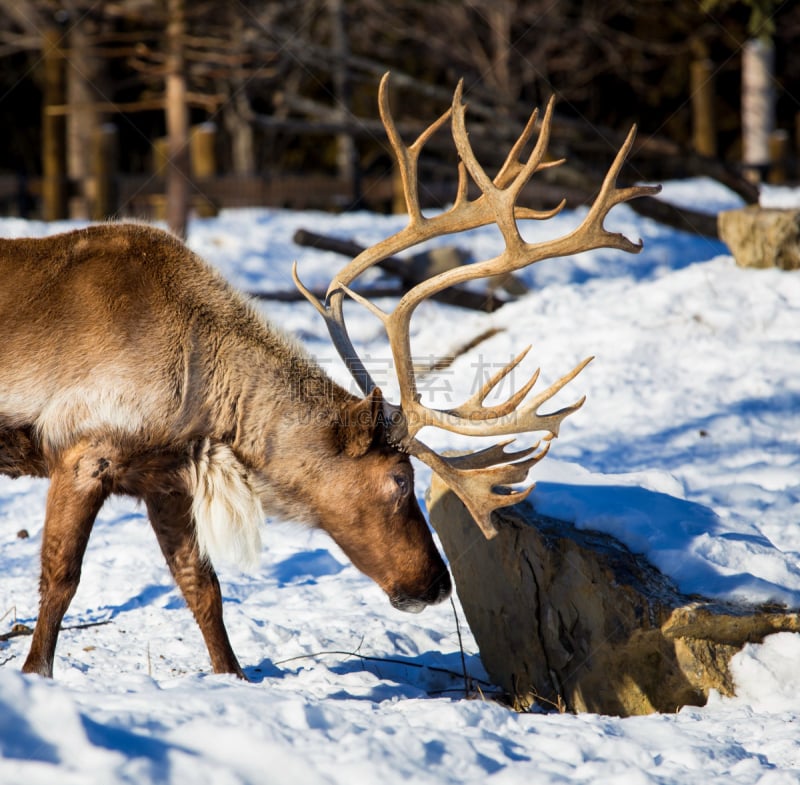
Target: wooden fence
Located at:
point(143, 196)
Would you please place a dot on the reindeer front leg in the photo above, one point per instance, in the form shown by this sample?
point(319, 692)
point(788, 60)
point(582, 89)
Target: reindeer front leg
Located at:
point(79, 484)
point(171, 517)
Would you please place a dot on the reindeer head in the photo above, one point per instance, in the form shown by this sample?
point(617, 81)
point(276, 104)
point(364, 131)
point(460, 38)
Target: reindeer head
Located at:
point(368, 506)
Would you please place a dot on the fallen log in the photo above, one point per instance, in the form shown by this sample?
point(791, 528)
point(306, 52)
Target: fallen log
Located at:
point(295, 295)
point(682, 218)
point(573, 619)
point(417, 269)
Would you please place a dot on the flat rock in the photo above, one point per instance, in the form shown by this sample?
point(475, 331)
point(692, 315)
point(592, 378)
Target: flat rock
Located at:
point(762, 237)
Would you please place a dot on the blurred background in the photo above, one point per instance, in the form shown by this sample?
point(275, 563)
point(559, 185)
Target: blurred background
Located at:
point(161, 108)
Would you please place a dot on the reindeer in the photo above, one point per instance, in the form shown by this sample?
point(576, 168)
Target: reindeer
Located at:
point(128, 366)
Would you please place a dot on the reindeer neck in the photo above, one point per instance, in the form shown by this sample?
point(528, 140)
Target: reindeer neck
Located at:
point(269, 393)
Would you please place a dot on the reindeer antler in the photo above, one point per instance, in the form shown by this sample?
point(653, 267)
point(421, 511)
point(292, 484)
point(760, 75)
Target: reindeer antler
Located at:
point(479, 479)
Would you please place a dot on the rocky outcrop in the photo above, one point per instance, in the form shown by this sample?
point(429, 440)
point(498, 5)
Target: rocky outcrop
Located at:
point(762, 237)
point(573, 619)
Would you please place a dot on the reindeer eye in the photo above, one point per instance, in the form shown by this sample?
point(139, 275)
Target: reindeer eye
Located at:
point(403, 484)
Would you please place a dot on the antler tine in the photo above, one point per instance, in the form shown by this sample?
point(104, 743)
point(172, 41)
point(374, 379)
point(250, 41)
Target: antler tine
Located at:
point(611, 196)
point(527, 213)
point(341, 340)
point(407, 156)
point(461, 139)
point(511, 166)
point(361, 300)
point(513, 175)
point(555, 419)
point(462, 191)
point(491, 456)
point(534, 162)
point(480, 395)
point(527, 418)
point(482, 488)
point(500, 420)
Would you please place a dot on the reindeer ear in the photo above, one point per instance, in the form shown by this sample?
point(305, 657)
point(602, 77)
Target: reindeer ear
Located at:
point(362, 424)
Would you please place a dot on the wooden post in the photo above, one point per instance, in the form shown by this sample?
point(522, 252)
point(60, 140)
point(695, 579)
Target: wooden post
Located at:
point(797, 134)
point(203, 154)
point(778, 157)
point(54, 168)
point(704, 130)
point(104, 170)
point(204, 165)
point(795, 153)
point(160, 161)
point(160, 156)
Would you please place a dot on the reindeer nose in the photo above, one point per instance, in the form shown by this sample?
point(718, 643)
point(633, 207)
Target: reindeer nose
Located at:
point(444, 588)
point(415, 603)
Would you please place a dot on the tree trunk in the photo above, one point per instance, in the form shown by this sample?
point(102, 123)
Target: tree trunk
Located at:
point(758, 106)
point(177, 120)
point(237, 115)
point(240, 129)
point(346, 153)
point(84, 74)
point(500, 15)
point(54, 181)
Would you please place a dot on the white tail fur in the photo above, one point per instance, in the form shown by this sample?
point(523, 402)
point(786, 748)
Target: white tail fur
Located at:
point(227, 512)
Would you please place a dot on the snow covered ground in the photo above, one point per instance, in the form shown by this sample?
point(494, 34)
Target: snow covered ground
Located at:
point(688, 449)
